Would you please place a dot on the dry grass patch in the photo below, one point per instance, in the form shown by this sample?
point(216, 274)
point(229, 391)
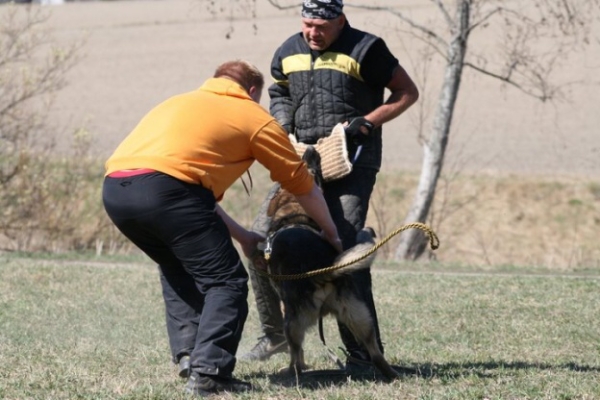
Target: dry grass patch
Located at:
point(482, 221)
point(489, 221)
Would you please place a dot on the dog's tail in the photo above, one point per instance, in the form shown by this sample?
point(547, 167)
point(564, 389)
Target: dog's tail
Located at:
point(365, 240)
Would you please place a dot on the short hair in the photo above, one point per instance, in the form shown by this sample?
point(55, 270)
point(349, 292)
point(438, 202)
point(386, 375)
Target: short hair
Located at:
point(242, 72)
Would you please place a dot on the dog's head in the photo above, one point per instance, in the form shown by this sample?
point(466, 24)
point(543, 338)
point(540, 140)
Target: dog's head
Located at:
point(312, 158)
point(283, 208)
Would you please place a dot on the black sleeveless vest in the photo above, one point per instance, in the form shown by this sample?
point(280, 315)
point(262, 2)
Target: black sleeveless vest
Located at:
point(326, 88)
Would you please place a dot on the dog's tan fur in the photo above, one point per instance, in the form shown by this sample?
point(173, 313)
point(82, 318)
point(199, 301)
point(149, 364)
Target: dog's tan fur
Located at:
point(305, 301)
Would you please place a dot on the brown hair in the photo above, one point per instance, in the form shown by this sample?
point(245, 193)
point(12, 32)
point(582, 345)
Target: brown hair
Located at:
point(242, 72)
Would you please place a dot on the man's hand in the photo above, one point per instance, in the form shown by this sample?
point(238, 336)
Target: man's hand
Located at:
point(249, 243)
point(333, 240)
point(358, 130)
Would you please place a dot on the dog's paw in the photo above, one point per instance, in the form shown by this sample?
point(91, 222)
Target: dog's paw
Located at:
point(294, 370)
point(287, 371)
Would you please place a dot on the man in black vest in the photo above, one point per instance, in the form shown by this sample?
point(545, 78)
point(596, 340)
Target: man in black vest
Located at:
point(331, 73)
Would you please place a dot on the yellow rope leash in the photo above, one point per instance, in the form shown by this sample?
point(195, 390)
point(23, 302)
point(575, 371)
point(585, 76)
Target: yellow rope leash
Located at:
point(434, 243)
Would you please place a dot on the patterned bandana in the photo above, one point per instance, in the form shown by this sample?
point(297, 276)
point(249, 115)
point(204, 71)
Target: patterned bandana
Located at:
point(322, 9)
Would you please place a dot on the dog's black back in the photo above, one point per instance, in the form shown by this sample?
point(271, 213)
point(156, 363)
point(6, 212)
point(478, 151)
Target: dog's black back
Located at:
point(297, 251)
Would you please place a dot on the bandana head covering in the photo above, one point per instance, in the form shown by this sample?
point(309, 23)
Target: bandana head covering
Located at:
point(322, 9)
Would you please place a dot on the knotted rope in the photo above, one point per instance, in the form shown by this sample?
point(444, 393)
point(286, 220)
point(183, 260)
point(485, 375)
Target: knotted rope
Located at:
point(434, 243)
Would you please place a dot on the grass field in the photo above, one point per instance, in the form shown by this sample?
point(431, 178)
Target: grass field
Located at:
point(94, 329)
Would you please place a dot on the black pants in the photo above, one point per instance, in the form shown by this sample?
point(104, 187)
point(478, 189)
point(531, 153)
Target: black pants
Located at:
point(348, 203)
point(204, 283)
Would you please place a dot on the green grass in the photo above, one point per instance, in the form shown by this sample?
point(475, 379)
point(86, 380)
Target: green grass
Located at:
point(94, 329)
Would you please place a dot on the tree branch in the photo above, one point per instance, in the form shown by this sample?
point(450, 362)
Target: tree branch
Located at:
point(445, 13)
point(544, 96)
point(276, 4)
point(428, 32)
point(485, 18)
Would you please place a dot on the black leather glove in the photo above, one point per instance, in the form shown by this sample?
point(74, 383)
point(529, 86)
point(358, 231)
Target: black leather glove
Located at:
point(355, 133)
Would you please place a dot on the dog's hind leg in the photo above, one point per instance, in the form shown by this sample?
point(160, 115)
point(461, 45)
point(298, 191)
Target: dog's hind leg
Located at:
point(295, 330)
point(355, 315)
point(370, 343)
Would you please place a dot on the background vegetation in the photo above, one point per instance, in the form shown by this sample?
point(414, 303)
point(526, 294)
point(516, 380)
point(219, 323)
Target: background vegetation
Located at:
point(537, 223)
point(50, 200)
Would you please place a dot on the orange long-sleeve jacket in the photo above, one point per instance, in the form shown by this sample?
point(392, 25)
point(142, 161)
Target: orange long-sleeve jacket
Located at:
point(211, 136)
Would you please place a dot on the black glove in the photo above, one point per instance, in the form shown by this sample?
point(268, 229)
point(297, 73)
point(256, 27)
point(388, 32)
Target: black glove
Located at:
point(355, 133)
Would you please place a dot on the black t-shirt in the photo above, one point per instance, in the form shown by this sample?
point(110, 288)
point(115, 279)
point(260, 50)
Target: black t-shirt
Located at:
point(379, 65)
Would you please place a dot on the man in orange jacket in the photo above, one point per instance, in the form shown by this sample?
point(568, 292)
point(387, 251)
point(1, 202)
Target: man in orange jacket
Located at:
point(161, 190)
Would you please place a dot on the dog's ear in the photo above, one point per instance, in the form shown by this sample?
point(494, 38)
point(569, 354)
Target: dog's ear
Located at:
point(366, 235)
point(313, 161)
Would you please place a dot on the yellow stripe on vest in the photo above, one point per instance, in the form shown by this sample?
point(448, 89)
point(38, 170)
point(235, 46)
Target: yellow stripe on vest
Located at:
point(296, 63)
point(328, 60)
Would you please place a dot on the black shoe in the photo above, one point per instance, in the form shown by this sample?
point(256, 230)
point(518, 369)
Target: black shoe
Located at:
point(206, 385)
point(266, 347)
point(185, 367)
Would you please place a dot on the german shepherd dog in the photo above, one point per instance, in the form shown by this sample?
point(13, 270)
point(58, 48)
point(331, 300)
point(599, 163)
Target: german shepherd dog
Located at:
point(297, 247)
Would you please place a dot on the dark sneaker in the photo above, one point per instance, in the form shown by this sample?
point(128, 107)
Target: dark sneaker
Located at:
point(184, 367)
point(266, 347)
point(206, 385)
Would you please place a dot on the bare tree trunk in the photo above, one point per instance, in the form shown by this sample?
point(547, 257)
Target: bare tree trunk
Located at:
point(413, 242)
